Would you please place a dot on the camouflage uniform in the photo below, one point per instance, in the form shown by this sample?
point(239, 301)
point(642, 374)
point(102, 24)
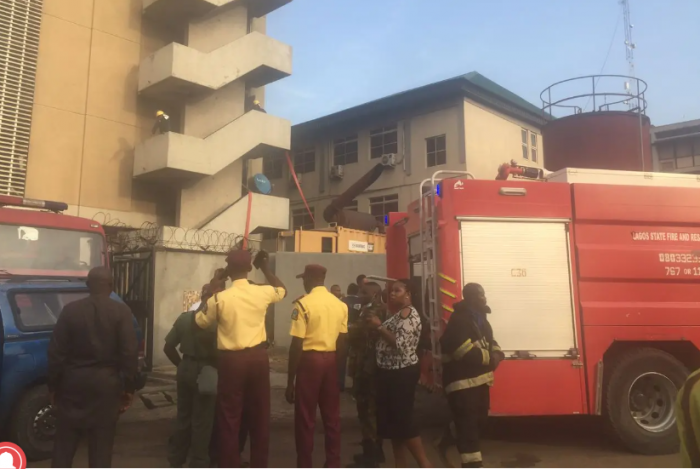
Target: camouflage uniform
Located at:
point(364, 345)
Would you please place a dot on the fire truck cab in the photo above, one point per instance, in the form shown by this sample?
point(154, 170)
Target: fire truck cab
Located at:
point(45, 257)
point(594, 283)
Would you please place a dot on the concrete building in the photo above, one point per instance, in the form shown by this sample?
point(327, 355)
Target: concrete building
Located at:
point(467, 123)
point(81, 81)
point(676, 147)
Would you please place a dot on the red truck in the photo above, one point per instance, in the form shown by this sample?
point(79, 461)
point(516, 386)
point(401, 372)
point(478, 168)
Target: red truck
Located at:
point(44, 259)
point(45, 243)
point(594, 283)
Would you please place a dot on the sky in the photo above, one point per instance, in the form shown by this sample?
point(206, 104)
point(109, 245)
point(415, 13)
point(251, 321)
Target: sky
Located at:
point(348, 52)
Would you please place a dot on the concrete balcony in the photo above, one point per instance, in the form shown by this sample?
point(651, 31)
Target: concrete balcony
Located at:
point(177, 71)
point(266, 212)
point(172, 155)
point(177, 12)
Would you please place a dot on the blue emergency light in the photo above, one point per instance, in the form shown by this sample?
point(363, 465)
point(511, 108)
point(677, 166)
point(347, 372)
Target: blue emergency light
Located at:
point(438, 189)
point(386, 220)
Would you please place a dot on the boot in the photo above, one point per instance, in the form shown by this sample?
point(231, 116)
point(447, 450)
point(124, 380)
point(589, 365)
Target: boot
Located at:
point(368, 457)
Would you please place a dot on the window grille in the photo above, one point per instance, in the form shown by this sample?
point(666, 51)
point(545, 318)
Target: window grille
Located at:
point(20, 23)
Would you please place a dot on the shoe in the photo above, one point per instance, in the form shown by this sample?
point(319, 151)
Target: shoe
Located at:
point(368, 457)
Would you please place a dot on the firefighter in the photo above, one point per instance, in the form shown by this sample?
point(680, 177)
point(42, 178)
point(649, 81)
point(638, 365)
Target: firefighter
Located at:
point(162, 124)
point(363, 342)
point(688, 418)
point(319, 329)
point(470, 355)
point(195, 406)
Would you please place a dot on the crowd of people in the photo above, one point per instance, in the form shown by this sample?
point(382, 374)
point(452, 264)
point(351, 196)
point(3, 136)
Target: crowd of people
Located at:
point(372, 334)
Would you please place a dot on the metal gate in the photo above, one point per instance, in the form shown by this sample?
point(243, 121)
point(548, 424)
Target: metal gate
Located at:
point(134, 280)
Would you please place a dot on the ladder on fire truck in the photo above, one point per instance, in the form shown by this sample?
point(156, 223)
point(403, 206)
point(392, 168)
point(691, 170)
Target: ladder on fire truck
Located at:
point(429, 261)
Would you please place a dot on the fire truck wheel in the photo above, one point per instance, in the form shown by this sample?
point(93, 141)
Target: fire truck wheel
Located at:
point(639, 399)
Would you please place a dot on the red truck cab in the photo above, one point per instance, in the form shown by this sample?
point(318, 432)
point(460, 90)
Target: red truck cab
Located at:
point(45, 243)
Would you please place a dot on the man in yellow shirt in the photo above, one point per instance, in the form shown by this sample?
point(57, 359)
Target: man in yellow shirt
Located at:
point(243, 364)
point(319, 330)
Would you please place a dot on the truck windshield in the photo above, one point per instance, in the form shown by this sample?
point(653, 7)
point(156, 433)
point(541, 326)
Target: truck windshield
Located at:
point(31, 250)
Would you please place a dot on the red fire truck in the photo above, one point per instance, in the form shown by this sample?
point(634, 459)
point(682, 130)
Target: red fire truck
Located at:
point(45, 257)
point(46, 243)
point(594, 283)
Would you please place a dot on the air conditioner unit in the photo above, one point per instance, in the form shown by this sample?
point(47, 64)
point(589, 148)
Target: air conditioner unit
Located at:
point(337, 171)
point(666, 166)
point(389, 159)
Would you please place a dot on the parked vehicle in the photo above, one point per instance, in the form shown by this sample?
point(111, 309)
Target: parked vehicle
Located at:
point(593, 280)
point(44, 260)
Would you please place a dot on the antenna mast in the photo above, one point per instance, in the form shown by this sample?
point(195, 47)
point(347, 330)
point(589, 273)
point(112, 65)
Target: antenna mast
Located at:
point(629, 45)
point(629, 53)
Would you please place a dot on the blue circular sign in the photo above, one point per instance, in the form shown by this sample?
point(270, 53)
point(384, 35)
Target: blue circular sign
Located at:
point(262, 183)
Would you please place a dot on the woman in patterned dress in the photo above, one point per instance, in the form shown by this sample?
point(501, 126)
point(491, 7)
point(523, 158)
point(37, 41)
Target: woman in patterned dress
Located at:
point(397, 375)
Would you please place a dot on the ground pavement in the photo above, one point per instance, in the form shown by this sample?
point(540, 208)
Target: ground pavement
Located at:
point(530, 442)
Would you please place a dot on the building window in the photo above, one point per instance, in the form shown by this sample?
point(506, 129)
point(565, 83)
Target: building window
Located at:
point(273, 166)
point(305, 160)
point(529, 144)
point(326, 244)
point(301, 220)
point(437, 154)
point(383, 141)
point(381, 206)
point(345, 150)
point(533, 147)
point(679, 154)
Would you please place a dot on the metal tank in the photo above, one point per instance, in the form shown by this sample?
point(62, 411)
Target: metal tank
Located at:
point(600, 123)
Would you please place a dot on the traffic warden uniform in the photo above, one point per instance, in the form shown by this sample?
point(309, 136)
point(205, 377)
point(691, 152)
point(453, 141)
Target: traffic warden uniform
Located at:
point(243, 364)
point(364, 342)
point(195, 411)
point(688, 418)
point(469, 355)
point(318, 319)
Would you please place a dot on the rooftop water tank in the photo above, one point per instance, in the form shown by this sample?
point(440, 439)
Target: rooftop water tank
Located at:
point(600, 123)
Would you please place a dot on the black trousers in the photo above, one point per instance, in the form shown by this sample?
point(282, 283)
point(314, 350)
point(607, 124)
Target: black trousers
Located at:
point(100, 444)
point(470, 411)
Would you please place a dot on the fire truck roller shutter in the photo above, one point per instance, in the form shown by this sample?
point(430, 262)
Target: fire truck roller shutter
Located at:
point(524, 267)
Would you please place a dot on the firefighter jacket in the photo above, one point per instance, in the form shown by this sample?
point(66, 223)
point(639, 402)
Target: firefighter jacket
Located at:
point(469, 352)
